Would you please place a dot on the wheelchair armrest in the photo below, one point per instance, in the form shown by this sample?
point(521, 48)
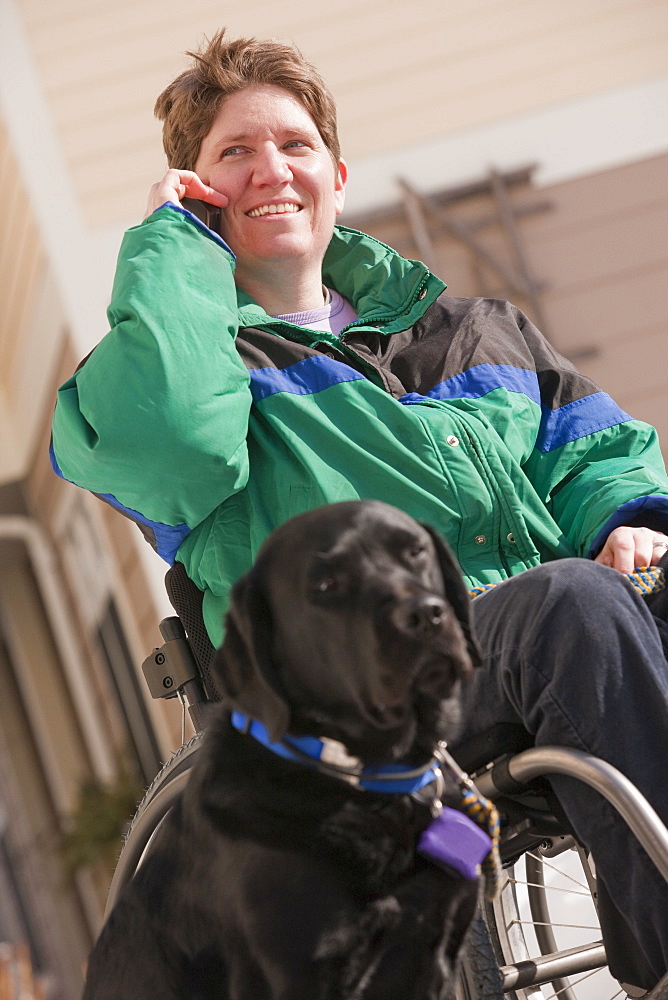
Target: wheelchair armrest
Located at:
point(632, 806)
point(502, 739)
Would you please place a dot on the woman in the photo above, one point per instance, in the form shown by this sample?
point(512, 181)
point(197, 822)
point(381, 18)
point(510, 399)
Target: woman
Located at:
point(283, 363)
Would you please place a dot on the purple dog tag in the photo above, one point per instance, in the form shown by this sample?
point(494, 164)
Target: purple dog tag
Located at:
point(454, 840)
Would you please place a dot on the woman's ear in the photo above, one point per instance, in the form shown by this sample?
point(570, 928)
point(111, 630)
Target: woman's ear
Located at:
point(340, 186)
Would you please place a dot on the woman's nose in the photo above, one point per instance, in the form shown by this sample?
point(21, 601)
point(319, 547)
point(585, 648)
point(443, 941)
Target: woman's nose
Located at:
point(271, 168)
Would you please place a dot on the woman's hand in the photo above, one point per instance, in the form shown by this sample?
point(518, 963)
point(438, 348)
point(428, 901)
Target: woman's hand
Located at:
point(627, 548)
point(178, 184)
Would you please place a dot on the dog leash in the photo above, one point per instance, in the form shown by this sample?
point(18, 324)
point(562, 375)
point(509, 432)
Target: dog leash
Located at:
point(464, 840)
point(484, 814)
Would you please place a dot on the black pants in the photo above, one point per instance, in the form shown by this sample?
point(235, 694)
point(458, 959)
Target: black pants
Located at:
point(572, 652)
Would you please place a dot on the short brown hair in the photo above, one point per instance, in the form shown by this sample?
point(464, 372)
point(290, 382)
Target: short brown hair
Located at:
point(188, 106)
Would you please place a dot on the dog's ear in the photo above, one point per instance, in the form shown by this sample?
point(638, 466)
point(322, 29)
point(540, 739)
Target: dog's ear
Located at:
point(456, 592)
point(244, 669)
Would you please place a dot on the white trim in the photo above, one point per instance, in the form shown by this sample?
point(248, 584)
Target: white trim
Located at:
point(11, 459)
point(91, 559)
point(51, 191)
point(566, 141)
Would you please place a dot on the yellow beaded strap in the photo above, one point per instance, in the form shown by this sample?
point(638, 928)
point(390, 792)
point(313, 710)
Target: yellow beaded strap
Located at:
point(484, 814)
point(646, 579)
point(476, 591)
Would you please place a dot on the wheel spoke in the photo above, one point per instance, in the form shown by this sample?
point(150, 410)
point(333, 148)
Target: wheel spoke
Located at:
point(553, 888)
point(552, 923)
point(577, 982)
point(558, 871)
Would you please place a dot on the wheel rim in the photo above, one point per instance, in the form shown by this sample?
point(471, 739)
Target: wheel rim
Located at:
point(545, 913)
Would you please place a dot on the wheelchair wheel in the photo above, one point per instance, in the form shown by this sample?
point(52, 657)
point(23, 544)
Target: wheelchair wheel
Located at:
point(162, 793)
point(545, 931)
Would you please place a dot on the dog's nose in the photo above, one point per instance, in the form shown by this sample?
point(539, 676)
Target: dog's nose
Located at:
point(421, 615)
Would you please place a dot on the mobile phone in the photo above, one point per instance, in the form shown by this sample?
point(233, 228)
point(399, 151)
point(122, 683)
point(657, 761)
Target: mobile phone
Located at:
point(206, 213)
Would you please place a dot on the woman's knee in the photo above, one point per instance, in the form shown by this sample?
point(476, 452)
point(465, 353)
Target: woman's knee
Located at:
point(577, 581)
point(566, 595)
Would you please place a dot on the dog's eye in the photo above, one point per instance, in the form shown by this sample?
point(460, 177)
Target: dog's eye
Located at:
point(327, 584)
point(415, 551)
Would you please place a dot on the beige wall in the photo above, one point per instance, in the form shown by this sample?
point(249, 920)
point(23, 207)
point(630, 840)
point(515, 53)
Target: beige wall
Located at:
point(22, 333)
point(35, 357)
point(42, 761)
point(116, 565)
point(604, 253)
point(402, 73)
point(59, 724)
point(599, 247)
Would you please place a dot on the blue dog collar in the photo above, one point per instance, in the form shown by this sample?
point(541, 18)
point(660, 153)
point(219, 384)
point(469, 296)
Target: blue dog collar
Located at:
point(464, 842)
point(331, 757)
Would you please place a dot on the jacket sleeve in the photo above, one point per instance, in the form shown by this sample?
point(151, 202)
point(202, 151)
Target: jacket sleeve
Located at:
point(593, 465)
point(157, 416)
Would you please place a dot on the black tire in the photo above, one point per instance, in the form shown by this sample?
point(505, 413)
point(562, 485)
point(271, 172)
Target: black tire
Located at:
point(479, 975)
point(162, 793)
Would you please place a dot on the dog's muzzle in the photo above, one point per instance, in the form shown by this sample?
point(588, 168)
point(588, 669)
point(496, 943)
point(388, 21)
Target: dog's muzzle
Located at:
point(421, 616)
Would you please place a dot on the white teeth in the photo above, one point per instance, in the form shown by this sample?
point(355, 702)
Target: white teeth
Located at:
point(287, 207)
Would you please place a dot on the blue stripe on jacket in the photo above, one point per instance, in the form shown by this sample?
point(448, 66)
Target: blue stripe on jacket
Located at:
point(302, 379)
point(168, 537)
point(653, 509)
point(567, 423)
point(570, 422)
point(480, 380)
point(576, 420)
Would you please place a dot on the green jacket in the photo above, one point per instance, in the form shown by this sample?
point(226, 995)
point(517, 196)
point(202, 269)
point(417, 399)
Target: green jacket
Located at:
point(211, 423)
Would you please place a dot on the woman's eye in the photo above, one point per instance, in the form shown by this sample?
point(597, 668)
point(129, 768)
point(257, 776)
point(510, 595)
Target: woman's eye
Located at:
point(295, 144)
point(232, 151)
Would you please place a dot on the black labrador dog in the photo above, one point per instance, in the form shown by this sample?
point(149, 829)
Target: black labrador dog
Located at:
point(290, 870)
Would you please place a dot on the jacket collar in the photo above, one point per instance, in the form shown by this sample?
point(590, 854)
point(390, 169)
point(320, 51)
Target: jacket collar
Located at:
point(387, 290)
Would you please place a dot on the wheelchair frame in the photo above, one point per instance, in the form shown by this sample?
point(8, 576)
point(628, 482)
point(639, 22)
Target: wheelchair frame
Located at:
point(498, 964)
point(556, 966)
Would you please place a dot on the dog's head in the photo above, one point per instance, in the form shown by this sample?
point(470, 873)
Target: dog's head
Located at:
point(352, 624)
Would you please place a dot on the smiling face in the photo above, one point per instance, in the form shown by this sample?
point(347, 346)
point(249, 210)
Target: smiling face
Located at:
point(266, 155)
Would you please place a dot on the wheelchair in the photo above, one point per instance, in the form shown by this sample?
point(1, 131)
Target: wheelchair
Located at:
point(523, 945)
